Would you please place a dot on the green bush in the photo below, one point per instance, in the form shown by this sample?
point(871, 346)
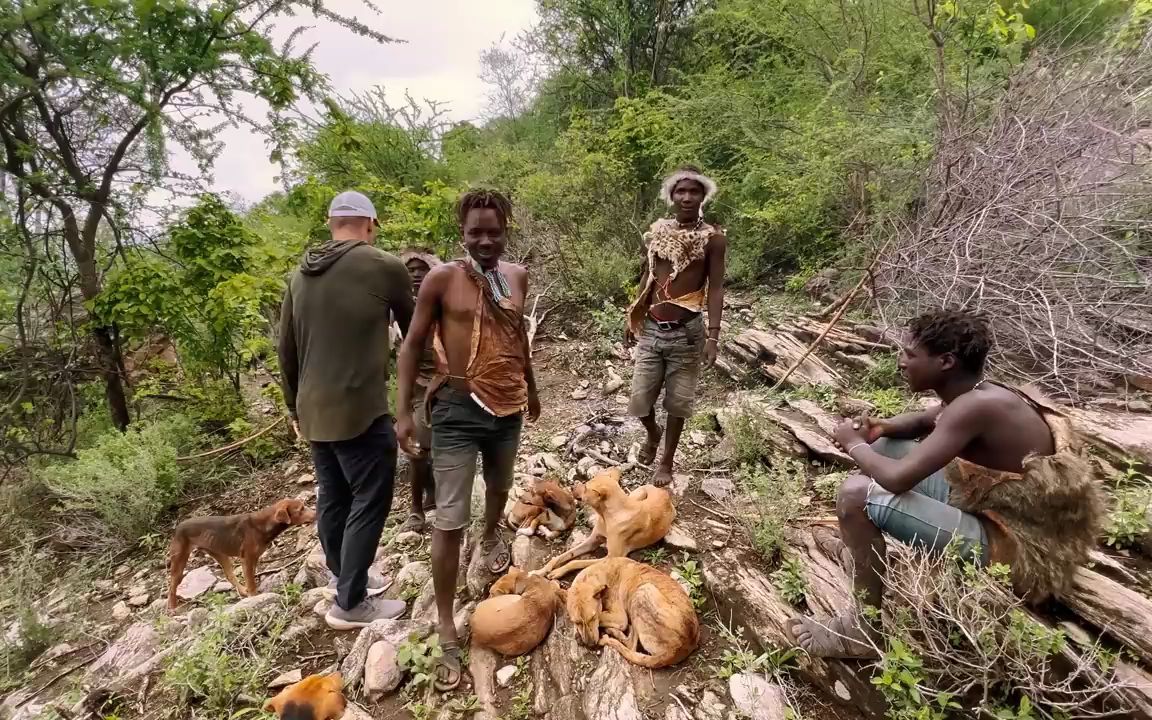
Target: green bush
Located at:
point(776, 496)
point(115, 490)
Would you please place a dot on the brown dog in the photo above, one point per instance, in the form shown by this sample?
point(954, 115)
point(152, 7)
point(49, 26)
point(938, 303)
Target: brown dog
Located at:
point(224, 537)
point(546, 509)
point(316, 697)
point(624, 522)
point(517, 615)
point(636, 606)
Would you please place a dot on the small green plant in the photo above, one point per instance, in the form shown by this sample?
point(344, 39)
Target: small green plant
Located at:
point(1131, 503)
point(789, 580)
point(827, 487)
point(822, 395)
point(743, 431)
point(1022, 711)
point(689, 571)
point(231, 657)
point(885, 373)
point(887, 401)
point(655, 555)
point(521, 708)
point(418, 657)
point(899, 680)
point(22, 579)
point(608, 323)
point(776, 496)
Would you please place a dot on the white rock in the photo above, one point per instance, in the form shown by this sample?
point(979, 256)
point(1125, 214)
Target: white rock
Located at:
point(286, 679)
point(255, 603)
point(841, 691)
point(414, 573)
point(679, 539)
point(381, 673)
point(710, 707)
point(719, 489)
point(551, 462)
point(680, 484)
point(138, 600)
point(120, 570)
point(580, 394)
point(559, 441)
point(407, 539)
point(139, 589)
point(757, 698)
point(104, 586)
point(196, 583)
point(137, 644)
point(354, 712)
point(306, 479)
point(505, 674)
point(222, 586)
point(121, 611)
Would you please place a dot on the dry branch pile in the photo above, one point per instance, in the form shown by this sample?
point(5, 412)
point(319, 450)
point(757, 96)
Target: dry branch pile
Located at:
point(1038, 216)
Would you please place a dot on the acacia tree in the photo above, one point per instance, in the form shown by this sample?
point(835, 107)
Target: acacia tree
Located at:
point(92, 93)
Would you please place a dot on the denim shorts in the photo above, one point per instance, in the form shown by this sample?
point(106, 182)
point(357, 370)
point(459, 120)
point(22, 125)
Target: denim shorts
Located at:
point(461, 431)
point(922, 516)
point(668, 359)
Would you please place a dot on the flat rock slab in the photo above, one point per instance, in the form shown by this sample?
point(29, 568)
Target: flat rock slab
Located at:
point(611, 693)
point(719, 489)
point(135, 646)
point(678, 538)
point(381, 673)
point(196, 583)
point(757, 698)
point(285, 679)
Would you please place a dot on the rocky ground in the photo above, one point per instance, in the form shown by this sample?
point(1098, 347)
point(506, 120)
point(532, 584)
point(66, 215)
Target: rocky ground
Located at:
point(120, 655)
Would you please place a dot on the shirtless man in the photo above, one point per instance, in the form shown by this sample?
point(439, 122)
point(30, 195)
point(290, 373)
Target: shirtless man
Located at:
point(477, 400)
point(969, 481)
point(685, 271)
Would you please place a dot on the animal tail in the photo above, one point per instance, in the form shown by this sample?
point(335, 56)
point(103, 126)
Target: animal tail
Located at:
point(639, 658)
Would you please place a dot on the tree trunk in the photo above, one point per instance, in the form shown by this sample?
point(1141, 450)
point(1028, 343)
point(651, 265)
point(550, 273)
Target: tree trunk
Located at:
point(83, 248)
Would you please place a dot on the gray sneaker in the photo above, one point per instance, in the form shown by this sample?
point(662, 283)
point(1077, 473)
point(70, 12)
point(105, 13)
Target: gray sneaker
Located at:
point(364, 614)
point(377, 584)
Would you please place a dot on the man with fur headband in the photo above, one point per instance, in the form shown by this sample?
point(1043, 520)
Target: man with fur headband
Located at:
point(683, 275)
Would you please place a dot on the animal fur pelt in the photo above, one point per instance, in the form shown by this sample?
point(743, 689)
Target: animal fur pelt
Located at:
point(546, 509)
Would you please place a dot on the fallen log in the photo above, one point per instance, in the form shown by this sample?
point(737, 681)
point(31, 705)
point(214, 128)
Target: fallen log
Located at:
point(747, 596)
point(1124, 614)
point(774, 354)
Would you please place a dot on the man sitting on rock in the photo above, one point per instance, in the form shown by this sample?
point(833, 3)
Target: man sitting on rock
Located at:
point(993, 471)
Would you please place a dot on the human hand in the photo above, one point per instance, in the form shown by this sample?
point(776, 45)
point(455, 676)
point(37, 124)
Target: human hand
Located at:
point(711, 351)
point(404, 428)
point(848, 434)
point(295, 428)
point(533, 407)
point(871, 428)
point(629, 338)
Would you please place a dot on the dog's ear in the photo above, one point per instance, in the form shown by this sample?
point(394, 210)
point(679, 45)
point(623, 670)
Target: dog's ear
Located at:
point(274, 704)
point(282, 514)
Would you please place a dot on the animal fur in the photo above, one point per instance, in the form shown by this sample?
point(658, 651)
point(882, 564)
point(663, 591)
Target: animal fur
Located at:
point(638, 608)
point(224, 537)
point(624, 523)
point(517, 615)
point(1053, 511)
point(316, 697)
point(546, 509)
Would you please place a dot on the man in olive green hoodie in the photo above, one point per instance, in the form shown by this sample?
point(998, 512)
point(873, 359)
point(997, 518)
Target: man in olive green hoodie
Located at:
point(334, 351)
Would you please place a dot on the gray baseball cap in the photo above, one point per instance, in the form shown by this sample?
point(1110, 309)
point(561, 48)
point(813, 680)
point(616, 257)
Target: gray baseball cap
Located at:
point(351, 204)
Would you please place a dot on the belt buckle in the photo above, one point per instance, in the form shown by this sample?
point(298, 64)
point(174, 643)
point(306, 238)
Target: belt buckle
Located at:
point(665, 325)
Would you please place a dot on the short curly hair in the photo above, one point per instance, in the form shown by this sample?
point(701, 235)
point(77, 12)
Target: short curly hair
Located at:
point(964, 334)
point(481, 198)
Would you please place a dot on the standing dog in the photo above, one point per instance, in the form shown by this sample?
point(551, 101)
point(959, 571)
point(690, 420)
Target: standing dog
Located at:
point(546, 508)
point(316, 697)
point(636, 606)
point(517, 615)
point(624, 522)
point(224, 537)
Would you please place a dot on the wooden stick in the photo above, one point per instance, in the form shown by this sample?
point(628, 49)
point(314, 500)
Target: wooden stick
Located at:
point(831, 323)
point(231, 446)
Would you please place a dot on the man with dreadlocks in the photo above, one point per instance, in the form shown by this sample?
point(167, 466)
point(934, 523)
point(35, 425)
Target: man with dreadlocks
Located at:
point(997, 474)
point(684, 273)
point(483, 387)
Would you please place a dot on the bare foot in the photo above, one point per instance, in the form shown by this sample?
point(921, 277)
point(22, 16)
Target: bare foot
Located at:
point(838, 637)
point(648, 453)
point(662, 477)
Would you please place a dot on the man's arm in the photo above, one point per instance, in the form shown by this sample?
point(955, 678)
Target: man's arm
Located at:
point(717, 253)
point(288, 354)
point(415, 340)
point(529, 373)
point(955, 429)
point(910, 425)
point(399, 293)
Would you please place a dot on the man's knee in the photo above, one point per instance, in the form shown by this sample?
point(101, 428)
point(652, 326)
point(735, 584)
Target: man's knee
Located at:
point(852, 497)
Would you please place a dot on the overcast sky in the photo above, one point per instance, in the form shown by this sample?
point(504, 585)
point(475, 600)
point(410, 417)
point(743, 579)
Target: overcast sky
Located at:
point(439, 60)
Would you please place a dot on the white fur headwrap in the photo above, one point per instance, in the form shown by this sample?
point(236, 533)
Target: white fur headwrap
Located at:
point(671, 181)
